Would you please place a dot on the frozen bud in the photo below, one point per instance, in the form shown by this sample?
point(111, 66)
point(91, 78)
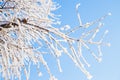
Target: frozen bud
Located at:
point(97, 30)
point(58, 53)
point(77, 5)
point(99, 59)
point(109, 14)
point(100, 24)
point(66, 27)
point(65, 40)
point(65, 50)
point(87, 25)
point(88, 65)
point(40, 74)
point(58, 22)
point(106, 31)
point(62, 28)
point(53, 78)
point(89, 76)
point(108, 44)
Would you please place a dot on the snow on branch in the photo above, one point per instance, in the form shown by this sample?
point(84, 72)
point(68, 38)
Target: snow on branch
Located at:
point(26, 28)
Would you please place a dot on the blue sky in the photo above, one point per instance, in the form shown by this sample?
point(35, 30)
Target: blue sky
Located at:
point(90, 10)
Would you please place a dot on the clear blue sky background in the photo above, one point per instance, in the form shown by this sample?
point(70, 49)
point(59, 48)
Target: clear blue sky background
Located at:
point(109, 68)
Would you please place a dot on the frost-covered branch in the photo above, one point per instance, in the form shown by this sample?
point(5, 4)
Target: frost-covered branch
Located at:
point(25, 29)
